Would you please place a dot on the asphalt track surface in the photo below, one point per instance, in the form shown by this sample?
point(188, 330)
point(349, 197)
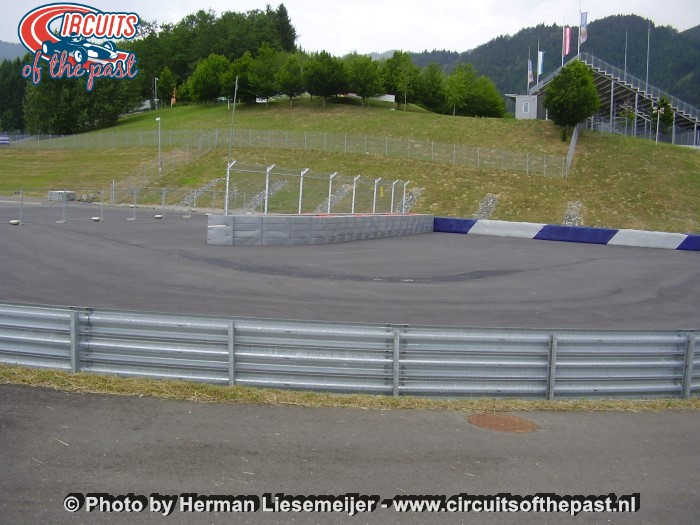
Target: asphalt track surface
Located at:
point(54, 443)
point(436, 279)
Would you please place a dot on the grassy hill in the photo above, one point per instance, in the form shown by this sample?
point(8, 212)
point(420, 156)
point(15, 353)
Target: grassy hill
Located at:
point(621, 182)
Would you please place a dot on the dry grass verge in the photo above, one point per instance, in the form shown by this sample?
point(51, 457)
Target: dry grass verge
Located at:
point(205, 393)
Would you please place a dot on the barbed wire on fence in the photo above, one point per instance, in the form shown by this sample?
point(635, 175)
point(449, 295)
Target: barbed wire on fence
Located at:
point(286, 193)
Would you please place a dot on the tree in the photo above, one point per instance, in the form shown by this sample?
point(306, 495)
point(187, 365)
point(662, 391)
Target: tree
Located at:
point(485, 100)
point(400, 76)
point(324, 75)
point(288, 34)
point(431, 88)
point(166, 86)
point(364, 77)
point(12, 87)
point(240, 68)
point(206, 82)
point(571, 96)
point(458, 87)
point(64, 106)
point(263, 70)
point(289, 77)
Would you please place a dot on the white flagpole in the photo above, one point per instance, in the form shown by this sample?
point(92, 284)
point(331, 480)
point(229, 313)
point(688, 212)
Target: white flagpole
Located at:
point(527, 73)
point(625, 55)
point(646, 89)
point(538, 62)
point(578, 51)
point(563, 38)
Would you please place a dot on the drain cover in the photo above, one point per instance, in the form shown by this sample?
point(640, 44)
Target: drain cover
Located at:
point(502, 422)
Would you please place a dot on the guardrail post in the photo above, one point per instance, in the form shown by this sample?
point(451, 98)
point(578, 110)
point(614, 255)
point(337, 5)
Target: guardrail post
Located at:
point(74, 341)
point(551, 379)
point(688, 373)
point(231, 353)
point(395, 362)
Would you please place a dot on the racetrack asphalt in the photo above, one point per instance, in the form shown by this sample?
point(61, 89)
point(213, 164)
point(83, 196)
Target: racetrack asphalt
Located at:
point(53, 443)
point(436, 279)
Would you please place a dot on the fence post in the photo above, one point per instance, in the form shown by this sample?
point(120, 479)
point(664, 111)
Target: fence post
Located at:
point(21, 206)
point(454, 154)
point(114, 190)
point(544, 165)
point(527, 164)
point(63, 219)
point(432, 151)
point(133, 206)
point(74, 341)
point(386, 146)
point(553, 343)
point(395, 363)
point(346, 143)
point(688, 373)
point(563, 167)
point(231, 353)
point(477, 157)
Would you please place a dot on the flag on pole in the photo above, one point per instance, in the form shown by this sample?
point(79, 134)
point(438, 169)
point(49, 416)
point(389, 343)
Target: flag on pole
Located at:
point(540, 62)
point(530, 76)
point(583, 28)
point(566, 41)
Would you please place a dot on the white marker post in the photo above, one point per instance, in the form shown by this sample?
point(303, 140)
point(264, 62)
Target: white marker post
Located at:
point(393, 185)
point(267, 185)
point(354, 187)
point(330, 189)
point(403, 204)
point(228, 176)
point(374, 199)
point(301, 187)
point(160, 165)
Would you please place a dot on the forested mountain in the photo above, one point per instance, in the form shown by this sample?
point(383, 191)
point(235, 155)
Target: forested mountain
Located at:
point(693, 33)
point(10, 51)
point(674, 63)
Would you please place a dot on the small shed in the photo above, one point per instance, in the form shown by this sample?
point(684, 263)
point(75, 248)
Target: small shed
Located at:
point(525, 106)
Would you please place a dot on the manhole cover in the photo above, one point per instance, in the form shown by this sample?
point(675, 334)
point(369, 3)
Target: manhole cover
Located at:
point(502, 422)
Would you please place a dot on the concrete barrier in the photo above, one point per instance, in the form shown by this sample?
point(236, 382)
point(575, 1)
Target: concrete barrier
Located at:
point(287, 230)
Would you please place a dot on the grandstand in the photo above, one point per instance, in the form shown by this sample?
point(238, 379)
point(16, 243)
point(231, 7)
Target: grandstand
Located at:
point(627, 103)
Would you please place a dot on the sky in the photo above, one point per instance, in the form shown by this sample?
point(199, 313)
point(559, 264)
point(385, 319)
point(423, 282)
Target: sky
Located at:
point(414, 25)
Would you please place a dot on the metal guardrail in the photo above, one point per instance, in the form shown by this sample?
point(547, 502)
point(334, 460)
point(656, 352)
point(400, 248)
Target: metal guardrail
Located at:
point(378, 359)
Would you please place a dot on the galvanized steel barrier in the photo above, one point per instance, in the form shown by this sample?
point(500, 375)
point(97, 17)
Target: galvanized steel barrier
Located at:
point(379, 359)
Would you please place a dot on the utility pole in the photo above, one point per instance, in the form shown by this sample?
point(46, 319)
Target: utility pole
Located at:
point(230, 136)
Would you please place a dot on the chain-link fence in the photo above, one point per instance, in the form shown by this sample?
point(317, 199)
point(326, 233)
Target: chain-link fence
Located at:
point(252, 189)
point(406, 148)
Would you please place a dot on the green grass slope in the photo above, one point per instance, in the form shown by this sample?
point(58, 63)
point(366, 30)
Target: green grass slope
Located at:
point(621, 182)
